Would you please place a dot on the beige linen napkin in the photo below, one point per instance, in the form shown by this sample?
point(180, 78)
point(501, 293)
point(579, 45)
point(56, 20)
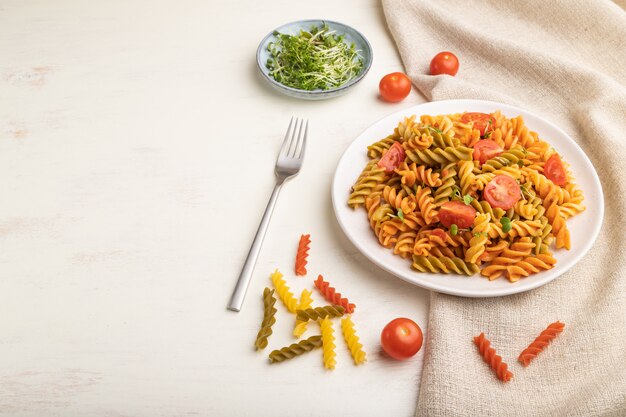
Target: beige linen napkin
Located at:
point(564, 60)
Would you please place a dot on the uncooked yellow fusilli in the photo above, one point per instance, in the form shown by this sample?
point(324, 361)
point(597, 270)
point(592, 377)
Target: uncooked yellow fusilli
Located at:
point(305, 302)
point(352, 340)
point(328, 343)
point(283, 291)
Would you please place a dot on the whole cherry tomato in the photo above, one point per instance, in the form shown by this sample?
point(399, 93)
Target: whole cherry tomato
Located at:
point(394, 87)
point(401, 338)
point(444, 63)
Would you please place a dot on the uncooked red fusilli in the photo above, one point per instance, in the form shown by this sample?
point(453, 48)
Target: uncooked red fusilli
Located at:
point(302, 254)
point(332, 295)
point(495, 361)
point(540, 343)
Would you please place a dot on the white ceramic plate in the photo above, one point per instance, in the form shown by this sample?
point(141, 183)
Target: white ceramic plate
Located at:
point(584, 228)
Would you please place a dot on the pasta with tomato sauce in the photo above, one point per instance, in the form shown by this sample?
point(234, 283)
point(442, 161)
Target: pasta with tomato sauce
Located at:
point(468, 193)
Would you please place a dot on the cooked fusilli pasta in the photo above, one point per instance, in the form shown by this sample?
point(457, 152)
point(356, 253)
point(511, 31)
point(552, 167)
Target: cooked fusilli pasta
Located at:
point(466, 193)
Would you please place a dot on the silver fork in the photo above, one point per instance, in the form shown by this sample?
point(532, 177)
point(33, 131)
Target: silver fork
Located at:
point(288, 165)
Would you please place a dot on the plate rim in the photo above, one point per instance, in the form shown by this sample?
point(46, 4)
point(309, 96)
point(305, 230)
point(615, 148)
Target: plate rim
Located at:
point(509, 290)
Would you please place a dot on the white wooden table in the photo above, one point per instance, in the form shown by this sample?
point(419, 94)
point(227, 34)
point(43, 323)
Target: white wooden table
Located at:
point(137, 144)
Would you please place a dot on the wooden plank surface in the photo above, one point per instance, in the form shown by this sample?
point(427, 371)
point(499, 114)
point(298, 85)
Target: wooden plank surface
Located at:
point(137, 143)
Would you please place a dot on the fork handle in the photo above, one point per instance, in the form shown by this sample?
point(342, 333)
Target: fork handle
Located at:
point(236, 300)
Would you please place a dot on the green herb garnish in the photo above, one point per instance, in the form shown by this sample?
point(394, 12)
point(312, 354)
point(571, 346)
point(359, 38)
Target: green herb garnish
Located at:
point(454, 229)
point(506, 224)
point(312, 60)
point(435, 129)
point(401, 215)
point(523, 189)
point(467, 199)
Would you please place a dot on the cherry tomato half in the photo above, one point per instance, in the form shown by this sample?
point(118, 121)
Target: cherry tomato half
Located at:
point(401, 338)
point(457, 212)
point(503, 192)
point(554, 170)
point(440, 233)
point(392, 158)
point(444, 63)
point(486, 149)
point(394, 87)
point(483, 122)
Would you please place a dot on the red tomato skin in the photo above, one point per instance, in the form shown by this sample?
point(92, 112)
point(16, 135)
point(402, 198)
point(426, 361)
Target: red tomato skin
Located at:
point(444, 63)
point(486, 149)
point(392, 158)
point(401, 338)
point(442, 234)
point(457, 212)
point(483, 122)
point(394, 87)
point(554, 170)
point(502, 192)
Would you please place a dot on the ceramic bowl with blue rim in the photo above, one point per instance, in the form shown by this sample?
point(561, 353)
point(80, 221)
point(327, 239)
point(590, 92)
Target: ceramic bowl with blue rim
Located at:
point(350, 36)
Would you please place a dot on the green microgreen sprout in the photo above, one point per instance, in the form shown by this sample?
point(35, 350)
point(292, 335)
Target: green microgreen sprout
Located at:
point(524, 191)
point(454, 229)
point(435, 129)
point(467, 199)
point(318, 59)
point(506, 224)
point(401, 215)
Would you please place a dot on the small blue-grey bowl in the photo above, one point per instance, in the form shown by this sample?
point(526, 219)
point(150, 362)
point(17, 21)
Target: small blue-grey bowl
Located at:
point(293, 28)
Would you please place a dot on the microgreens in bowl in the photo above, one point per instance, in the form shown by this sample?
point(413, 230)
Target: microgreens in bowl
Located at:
point(318, 59)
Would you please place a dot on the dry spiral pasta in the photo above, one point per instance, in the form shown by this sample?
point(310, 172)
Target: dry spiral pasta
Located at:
point(540, 342)
point(305, 302)
point(268, 319)
point(331, 295)
point(352, 340)
point(283, 291)
point(319, 312)
point(435, 164)
point(302, 254)
point(492, 359)
point(328, 343)
point(295, 349)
